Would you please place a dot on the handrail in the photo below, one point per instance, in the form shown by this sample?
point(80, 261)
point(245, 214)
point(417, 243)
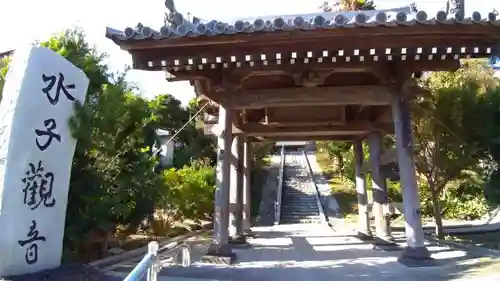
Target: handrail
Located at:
point(150, 265)
point(316, 191)
point(279, 189)
point(146, 265)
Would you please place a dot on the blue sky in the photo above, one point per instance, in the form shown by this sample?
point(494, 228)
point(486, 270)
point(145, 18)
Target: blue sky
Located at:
point(24, 21)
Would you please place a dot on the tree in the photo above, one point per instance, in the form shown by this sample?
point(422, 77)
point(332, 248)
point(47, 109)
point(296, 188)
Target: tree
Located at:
point(336, 152)
point(171, 116)
point(112, 181)
point(348, 5)
point(447, 138)
point(4, 66)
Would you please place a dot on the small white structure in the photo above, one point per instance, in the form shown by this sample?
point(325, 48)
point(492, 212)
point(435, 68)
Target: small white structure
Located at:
point(167, 148)
point(36, 153)
point(306, 145)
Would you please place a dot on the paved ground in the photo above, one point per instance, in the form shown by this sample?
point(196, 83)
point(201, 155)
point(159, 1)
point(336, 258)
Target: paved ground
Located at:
point(314, 252)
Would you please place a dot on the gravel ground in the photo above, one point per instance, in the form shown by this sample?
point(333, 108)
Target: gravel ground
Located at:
point(70, 272)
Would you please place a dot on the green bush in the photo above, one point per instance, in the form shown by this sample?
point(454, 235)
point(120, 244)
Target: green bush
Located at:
point(461, 201)
point(188, 193)
point(394, 191)
point(466, 208)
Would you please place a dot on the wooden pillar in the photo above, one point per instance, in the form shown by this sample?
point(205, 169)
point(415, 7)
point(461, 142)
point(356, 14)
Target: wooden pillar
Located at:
point(220, 245)
point(364, 231)
point(236, 192)
point(379, 189)
point(415, 248)
point(233, 190)
point(247, 176)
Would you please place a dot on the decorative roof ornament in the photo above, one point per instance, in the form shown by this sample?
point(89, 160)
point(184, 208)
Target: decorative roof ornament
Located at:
point(455, 8)
point(413, 7)
point(173, 18)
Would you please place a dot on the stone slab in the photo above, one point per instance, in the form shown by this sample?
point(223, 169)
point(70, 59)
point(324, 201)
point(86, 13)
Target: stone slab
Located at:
point(38, 99)
point(219, 259)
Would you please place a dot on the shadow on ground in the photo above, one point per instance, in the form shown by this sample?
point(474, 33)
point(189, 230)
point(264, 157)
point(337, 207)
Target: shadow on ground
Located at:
point(316, 254)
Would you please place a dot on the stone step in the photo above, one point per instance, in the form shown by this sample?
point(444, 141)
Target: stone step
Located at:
point(305, 198)
point(305, 216)
point(285, 208)
point(301, 198)
point(300, 214)
point(303, 211)
point(312, 217)
point(318, 221)
point(305, 190)
point(299, 191)
point(300, 204)
point(287, 197)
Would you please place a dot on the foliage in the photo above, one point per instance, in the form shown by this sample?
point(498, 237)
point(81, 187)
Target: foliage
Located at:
point(187, 193)
point(454, 156)
point(170, 115)
point(112, 178)
point(4, 66)
point(347, 5)
point(448, 142)
point(112, 181)
point(336, 152)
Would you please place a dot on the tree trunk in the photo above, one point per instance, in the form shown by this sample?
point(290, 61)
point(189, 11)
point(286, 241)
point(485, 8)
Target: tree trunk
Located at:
point(341, 163)
point(436, 208)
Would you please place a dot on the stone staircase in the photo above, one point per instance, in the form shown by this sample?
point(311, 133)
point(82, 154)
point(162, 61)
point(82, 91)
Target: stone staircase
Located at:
point(299, 200)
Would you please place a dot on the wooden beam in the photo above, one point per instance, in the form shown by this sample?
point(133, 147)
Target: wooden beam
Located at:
point(364, 95)
point(303, 123)
point(271, 68)
point(328, 114)
point(308, 138)
point(350, 128)
point(385, 116)
point(214, 129)
point(387, 157)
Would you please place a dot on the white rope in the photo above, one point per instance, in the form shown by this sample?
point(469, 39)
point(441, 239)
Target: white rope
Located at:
point(180, 130)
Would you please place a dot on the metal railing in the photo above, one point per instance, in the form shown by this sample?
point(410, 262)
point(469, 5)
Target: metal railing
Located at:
point(151, 264)
point(279, 189)
point(316, 191)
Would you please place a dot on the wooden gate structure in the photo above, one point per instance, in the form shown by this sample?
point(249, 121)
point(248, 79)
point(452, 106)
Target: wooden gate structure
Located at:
point(323, 76)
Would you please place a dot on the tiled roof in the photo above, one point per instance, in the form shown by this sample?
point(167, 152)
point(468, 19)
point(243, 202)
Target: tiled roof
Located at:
point(327, 20)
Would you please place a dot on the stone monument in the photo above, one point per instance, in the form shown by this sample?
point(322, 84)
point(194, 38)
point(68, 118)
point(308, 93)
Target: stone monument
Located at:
point(36, 153)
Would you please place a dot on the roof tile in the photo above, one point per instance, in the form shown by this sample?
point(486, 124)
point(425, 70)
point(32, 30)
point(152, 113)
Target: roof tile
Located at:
point(327, 20)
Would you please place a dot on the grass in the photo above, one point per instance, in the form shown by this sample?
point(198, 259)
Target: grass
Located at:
point(345, 195)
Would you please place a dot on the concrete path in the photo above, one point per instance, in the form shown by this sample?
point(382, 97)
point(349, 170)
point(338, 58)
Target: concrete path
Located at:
point(315, 252)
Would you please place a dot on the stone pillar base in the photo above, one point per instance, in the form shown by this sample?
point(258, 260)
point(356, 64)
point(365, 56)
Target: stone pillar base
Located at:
point(219, 255)
point(238, 241)
point(364, 236)
point(419, 253)
point(248, 233)
point(384, 240)
point(416, 257)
